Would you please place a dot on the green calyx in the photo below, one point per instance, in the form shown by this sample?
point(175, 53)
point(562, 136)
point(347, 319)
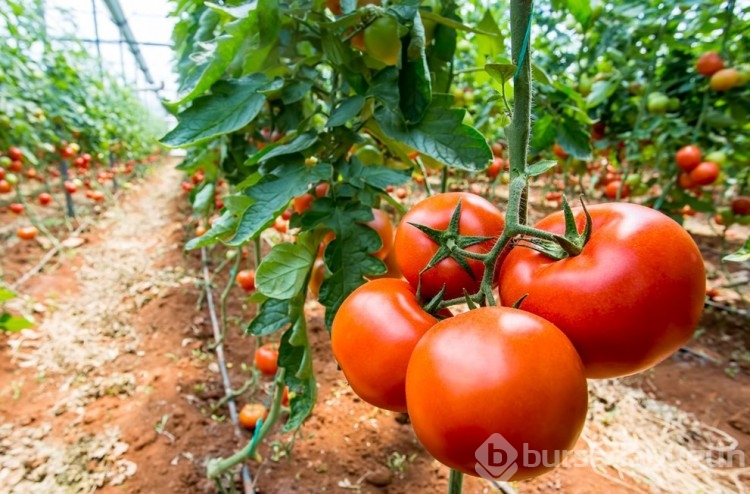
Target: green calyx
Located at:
point(571, 243)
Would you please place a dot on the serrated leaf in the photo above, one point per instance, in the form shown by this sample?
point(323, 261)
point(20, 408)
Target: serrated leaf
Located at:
point(282, 272)
point(543, 132)
point(489, 46)
point(581, 10)
point(540, 167)
point(231, 106)
point(415, 85)
point(501, 72)
point(346, 111)
point(441, 135)
point(380, 177)
point(273, 316)
point(272, 194)
point(384, 87)
point(539, 75)
point(298, 144)
point(574, 139)
point(14, 323)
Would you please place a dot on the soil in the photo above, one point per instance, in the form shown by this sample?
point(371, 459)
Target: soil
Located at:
point(114, 390)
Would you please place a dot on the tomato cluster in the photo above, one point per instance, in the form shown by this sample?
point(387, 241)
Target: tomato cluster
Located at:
point(631, 296)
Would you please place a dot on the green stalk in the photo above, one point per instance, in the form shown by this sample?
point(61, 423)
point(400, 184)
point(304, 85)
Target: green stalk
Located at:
point(455, 482)
point(520, 127)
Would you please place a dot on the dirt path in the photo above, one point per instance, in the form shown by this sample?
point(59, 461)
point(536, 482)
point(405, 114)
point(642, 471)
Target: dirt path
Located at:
point(77, 390)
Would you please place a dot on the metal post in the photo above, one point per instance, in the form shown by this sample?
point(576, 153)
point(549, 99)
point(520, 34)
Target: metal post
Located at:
point(96, 34)
point(68, 197)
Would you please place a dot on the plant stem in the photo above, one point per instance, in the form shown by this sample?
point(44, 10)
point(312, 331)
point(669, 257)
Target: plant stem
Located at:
point(520, 128)
point(455, 482)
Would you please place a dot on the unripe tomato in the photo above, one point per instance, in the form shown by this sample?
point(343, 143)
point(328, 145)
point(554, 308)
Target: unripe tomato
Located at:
point(251, 413)
point(705, 174)
point(718, 157)
point(657, 103)
point(16, 207)
point(382, 40)
point(200, 230)
point(266, 358)
point(5, 186)
point(461, 363)
point(725, 79)
point(369, 155)
point(414, 249)
point(688, 157)
point(27, 232)
point(12, 178)
point(246, 279)
point(709, 63)
point(623, 317)
point(373, 335)
point(741, 205)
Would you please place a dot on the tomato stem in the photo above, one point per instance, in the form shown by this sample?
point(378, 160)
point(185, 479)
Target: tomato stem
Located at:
point(455, 482)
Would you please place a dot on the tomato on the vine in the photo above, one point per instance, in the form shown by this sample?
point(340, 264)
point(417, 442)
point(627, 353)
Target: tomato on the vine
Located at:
point(16, 207)
point(414, 248)
point(373, 335)
point(302, 203)
point(612, 187)
point(382, 40)
point(688, 157)
point(705, 173)
point(15, 153)
point(45, 198)
point(632, 297)
point(246, 279)
point(709, 63)
point(741, 205)
point(725, 79)
point(5, 186)
point(27, 232)
point(496, 370)
point(251, 413)
point(266, 358)
point(70, 187)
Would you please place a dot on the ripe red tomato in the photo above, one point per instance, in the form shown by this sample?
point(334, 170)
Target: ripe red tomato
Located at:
point(372, 337)
point(187, 186)
point(15, 153)
point(705, 174)
point(725, 79)
point(67, 152)
point(629, 300)
point(16, 207)
point(741, 205)
point(612, 187)
point(5, 186)
point(44, 198)
point(200, 230)
point(495, 168)
point(266, 358)
point(688, 157)
point(464, 361)
point(2, 173)
point(381, 223)
point(15, 166)
point(251, 413)
point(246, 279)
point(709, 63)
point(70, 187)
point(414, 249)
point(280, 225)
point(27, 232)
point(302, 203)
point(685, 181)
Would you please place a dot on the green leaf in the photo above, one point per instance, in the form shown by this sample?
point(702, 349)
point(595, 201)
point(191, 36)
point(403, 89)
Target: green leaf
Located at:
point(384, 87)
point(501, 72)
point(543, 132)
point(298, 144)
point(13, 323)
point(440, 135)
point(415, 85)
point(231, 106)
point(346, 111)
point(271, 195)
point(431, 16)
point(273, 316)
point(380, 177)
point(295, 91)
point(540, 75)
point(581, 10)
point(6, 295)
point(295, 357)
point(491, 45)
point(573, 139)
point(742, 255)
point(282, 272)
point(540, 167)
point(204, 198)
point(601, 91)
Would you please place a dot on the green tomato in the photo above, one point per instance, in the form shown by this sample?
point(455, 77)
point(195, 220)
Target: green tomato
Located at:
point(584, 85)
point(718, 157)
point(369, 155)
point(657, 103)
point(673, 104)
point(468, 119)
point(464, 45)
point(230, 254)
point(633, 180)
point(382, 41)
point(604, 66)
point(5, 161)
point(396, 164)
point(11, 178)
point(469, 96)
